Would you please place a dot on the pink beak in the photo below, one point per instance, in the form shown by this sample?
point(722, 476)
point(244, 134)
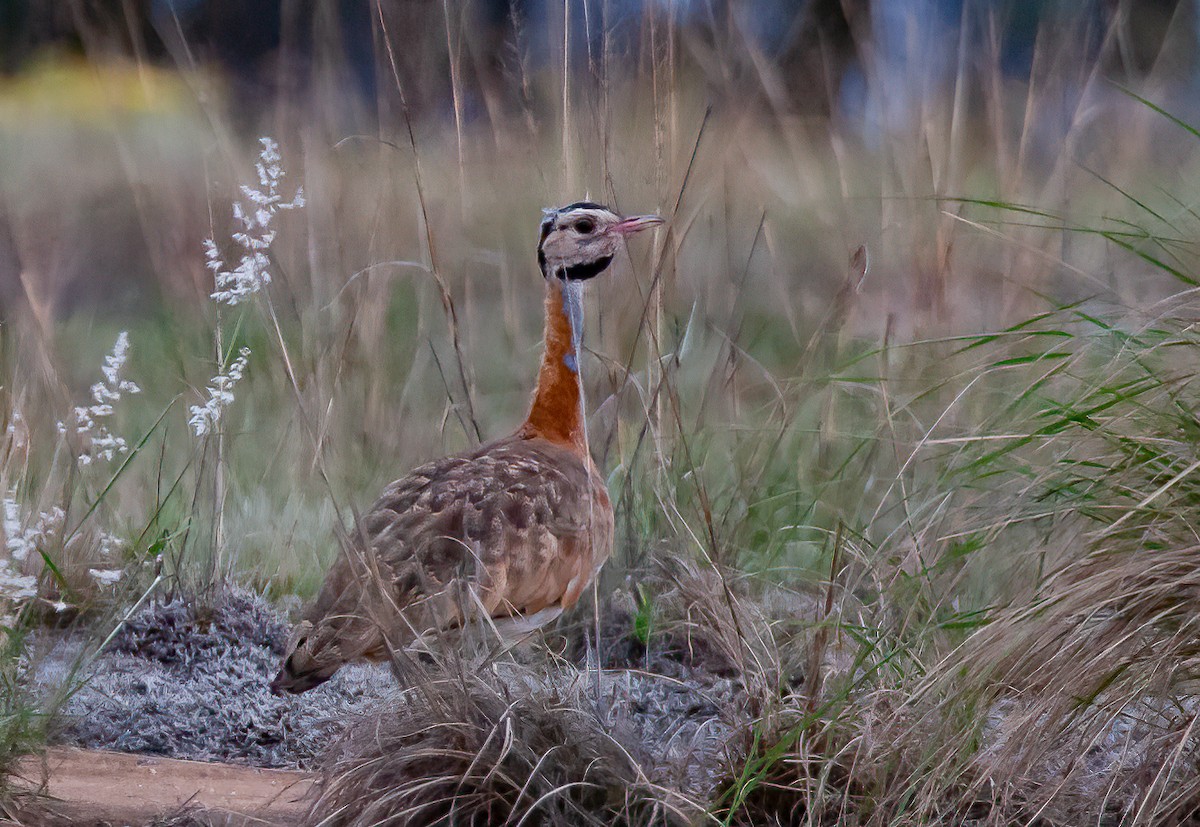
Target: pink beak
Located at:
point(635, 224)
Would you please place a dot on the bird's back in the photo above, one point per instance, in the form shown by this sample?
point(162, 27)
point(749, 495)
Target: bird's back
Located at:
point(510, 529)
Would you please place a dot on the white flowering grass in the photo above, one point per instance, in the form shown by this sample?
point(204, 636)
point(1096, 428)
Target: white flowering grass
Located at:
point(105, 577)
point(13, 533)
point(254, 214)
point(100, 443)
point(16, 433)
point(16, 587)
point(21, 543)
point(34, 540)
point(205, 418)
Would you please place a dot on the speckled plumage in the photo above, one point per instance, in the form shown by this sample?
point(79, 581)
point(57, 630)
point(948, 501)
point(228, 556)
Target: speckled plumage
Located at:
point(512, 531)
point(525, 522)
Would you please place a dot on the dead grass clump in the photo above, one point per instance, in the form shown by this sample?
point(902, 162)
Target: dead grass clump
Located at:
point(688, 620)
point(707, 616)
point(1082, 705)
point(796, 669)
point(828, 762)
point(1079, 703)
point(501, 746)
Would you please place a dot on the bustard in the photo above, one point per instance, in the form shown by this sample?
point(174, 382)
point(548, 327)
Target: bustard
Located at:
point(512, 531)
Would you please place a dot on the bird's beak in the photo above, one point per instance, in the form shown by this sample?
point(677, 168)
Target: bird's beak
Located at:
point(635, 224)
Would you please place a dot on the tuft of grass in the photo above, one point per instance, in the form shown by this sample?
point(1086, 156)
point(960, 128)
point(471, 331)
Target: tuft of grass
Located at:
point(22, 723)
point(1071, 697)
point(507, 747)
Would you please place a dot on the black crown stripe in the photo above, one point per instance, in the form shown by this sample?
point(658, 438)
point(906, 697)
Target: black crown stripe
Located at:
point(583, 205)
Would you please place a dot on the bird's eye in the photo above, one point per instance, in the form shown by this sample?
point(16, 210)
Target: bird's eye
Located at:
point(584, 226)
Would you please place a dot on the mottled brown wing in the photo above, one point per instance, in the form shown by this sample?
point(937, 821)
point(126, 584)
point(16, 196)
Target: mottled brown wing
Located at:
point(523, 523)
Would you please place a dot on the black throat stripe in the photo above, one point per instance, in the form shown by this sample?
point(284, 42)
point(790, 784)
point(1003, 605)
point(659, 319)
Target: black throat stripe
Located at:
point(586, 270)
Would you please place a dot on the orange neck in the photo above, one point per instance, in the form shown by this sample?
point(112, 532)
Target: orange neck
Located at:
point(557, 411)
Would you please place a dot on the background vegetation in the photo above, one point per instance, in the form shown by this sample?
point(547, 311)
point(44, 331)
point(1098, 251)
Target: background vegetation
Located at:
point(980, 454)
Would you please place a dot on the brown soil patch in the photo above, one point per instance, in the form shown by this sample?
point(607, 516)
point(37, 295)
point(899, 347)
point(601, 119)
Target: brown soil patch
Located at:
point(98, 787)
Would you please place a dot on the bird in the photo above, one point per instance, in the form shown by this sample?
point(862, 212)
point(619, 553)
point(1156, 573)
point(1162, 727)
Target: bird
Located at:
point(511, 532)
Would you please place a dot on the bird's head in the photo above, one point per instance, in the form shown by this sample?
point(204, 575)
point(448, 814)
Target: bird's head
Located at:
point(311, 660)
point(301, 669)
point(578, 241)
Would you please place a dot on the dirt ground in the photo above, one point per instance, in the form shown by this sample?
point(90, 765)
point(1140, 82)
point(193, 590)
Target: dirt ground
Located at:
point(96, 787)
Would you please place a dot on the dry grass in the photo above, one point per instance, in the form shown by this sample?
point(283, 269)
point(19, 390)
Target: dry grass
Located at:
point(508, 746)
point(1073, 700)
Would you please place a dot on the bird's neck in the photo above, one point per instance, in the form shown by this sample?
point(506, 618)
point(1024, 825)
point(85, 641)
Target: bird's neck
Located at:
point(557, 410)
